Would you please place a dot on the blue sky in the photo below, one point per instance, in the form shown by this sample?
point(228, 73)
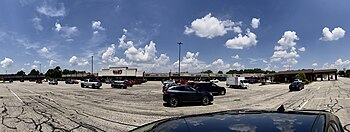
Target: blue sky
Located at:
point(217, 35)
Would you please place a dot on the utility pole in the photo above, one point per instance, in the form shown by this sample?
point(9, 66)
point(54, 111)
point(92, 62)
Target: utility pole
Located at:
point(92, 65)
point(179, 43)
point(40, 69)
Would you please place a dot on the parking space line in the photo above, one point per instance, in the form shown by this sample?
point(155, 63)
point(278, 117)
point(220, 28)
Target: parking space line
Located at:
point(318, 87)
point(303, 105)
point(16, 96)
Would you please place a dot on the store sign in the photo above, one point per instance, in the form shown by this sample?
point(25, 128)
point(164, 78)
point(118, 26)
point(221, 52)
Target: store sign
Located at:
point(117, 71)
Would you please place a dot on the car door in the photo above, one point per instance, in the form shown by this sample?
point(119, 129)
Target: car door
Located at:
point(190, 94)
point(213, 88)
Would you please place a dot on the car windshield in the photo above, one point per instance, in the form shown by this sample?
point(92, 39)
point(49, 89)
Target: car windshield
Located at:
point(115, 65)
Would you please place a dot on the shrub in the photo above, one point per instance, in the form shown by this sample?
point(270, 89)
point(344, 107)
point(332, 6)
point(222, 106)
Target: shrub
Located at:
point(263, 83)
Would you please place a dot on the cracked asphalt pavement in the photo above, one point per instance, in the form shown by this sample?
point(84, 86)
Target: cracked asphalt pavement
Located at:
point(27, 106)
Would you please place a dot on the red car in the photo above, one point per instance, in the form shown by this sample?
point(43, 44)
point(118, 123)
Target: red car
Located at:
point(39, 81)
point(128, 83)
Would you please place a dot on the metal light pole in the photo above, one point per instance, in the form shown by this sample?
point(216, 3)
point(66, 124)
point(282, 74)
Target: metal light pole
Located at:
point(179, 43)
point(92, 65)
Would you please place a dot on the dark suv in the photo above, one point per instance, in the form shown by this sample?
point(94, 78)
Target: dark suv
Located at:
point(210, 87)
point(296, 85)
point(184, 94)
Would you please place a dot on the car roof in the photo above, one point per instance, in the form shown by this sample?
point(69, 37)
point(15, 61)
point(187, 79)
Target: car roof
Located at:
point(240, 120)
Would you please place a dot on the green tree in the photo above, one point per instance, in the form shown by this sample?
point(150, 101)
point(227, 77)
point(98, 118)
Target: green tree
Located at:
point(220, 72)
point(208, 71)
point(301, 76)
point(54, 73)
point(232, 72)
point(21, 73)
point(33, 72)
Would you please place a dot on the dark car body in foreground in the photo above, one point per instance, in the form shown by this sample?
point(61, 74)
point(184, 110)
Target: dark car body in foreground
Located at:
point(210, 87)
point(242, 120)
point(296, 85)
point(185, 94)
point(119, 84)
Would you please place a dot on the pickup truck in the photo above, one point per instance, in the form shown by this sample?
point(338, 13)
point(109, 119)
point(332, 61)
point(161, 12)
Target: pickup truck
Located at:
point(91, 83)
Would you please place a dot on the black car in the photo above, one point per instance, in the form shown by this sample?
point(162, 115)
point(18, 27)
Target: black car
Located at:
point(296, 85)
point(248, 121)
point(186, 94)
point(210, 87)
point(70, 81)
point(119, 84)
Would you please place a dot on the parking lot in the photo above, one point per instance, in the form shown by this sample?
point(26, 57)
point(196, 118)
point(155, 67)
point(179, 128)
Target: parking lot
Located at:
point(27, 106)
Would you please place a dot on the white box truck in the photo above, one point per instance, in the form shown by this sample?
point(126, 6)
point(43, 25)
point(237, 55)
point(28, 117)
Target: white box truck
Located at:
point(236, 82)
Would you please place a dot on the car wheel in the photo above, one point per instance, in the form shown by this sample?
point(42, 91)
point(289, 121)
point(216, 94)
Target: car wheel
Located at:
point(82, 85)
point(205, 100)
point(222, 92)
point(173, 101)
point(93, 85)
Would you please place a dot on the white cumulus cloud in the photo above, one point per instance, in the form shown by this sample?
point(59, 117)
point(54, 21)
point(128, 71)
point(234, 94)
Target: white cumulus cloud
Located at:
point(6, 62)
point(108, 55)
point(209, 27)
point(34, 66)
point(237, 65)
point(97, 25)
point(287, 41)
point(44, 50)
point(235, 57)
point(52, 63)
point(336, 34)
point(302, 49)
point(255, 22)
point(241, 42)
point(52, 11)
point(66, 31)
point(314, 65)
point(74, 61)
point(142, 54)
point(191, 62)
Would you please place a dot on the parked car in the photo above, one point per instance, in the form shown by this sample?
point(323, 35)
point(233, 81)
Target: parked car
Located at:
point(70, 81)
point(168, 81)
point(53, 82)
point(137, 81)
point(129, 83)
point(296, 85)
point(176, 95)
point(93, 83)
point(39, 81)
point(119, 84)
point(241, 120)
point(210, 87)
point(108, 81)
point(167, 85)
point(214, 81)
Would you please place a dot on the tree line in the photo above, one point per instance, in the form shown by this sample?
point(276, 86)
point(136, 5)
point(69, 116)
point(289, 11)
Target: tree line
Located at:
point(56, 72)
point(255, 70)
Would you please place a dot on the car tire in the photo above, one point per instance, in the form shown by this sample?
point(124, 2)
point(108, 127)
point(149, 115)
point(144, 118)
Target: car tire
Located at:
point(82, 85)
point(205, 100)
point(173, 102)
point(222, 92)
point(93, 85)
